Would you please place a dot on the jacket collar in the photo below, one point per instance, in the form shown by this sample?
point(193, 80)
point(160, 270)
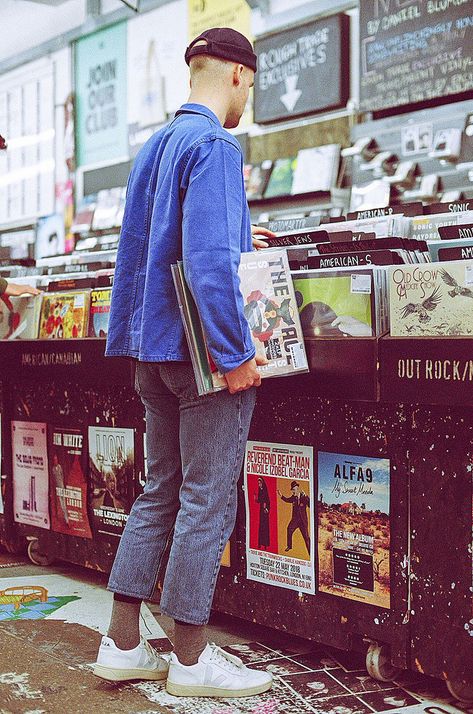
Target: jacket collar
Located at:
point(191, 108)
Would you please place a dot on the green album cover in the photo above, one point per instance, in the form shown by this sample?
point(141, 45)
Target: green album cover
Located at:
point(335, 303)
point(280, 180)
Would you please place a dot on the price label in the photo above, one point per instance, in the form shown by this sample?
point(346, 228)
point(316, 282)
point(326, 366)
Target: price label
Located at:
point(361, 283)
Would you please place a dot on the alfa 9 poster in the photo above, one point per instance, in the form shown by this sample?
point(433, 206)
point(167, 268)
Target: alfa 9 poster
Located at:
point(354, 527)
point(280, 515)
point(111, 470)
point(30, 473)
point(68, 483)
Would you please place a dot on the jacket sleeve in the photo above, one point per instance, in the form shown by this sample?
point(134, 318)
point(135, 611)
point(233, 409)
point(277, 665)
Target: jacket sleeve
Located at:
point(214, 207)
point(3, 285)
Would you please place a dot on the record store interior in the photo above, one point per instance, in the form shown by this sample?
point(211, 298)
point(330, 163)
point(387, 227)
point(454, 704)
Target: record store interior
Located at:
point(204, 203)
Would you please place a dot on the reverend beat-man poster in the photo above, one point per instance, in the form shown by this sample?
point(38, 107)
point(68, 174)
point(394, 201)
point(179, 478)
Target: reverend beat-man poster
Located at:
point(280, 515)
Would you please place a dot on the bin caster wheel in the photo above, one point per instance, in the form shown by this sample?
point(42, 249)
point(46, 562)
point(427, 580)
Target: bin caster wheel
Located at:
point(463, 691)
point(37, 555)
point(378, 664)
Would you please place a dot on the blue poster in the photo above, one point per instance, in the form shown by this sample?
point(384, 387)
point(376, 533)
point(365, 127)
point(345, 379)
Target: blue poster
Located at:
point(100, 84)
point(354, 527)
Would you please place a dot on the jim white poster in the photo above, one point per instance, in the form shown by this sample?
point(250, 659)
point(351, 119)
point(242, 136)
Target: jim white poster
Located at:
point(30, 473)
point(280, 515)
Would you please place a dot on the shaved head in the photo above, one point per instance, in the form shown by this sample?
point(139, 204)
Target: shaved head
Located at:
point(210, 68)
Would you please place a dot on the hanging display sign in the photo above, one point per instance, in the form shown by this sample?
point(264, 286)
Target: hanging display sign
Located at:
point(100, 79)
point(354, 527)
point(158, 77)
point(68, 483)
point(280, 515)
point(30, 473)
point(111, 476)
point(413, 51)
point(302, 70)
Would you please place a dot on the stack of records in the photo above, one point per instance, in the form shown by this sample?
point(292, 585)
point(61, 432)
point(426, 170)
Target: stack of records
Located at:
point(271, 310)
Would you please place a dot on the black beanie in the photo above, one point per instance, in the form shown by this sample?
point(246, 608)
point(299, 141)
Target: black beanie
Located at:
point(224, 43)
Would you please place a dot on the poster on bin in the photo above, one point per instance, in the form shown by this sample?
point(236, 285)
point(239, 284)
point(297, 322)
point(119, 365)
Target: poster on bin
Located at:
point(68, 482)
point(280, 515)
point(30, 473)
point(111, 476)
point(354, 527)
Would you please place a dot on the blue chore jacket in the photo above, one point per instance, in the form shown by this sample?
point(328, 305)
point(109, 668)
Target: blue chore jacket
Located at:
point(185, 201)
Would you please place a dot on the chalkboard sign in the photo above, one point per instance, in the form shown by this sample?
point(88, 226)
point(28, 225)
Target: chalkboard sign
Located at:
point(302, 70)
point(414, 50)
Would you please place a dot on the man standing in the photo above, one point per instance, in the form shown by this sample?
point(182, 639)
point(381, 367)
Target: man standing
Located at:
point(185, 200)
point(299, 521)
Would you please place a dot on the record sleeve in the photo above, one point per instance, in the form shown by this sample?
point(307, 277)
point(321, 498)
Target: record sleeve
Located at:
point(257, 179)
point(334, 303)
point(99, 315)
point(434, 299)
point(64, 315)
point(280, 181)
point(19, 317)
point(271, 310)
point(316, 169)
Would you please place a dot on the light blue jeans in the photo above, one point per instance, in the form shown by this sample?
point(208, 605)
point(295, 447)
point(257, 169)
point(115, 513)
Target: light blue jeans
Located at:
point(195, 449)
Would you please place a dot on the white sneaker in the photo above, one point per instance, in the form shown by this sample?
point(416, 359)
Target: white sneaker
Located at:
point(142, 662)
point(216, 674)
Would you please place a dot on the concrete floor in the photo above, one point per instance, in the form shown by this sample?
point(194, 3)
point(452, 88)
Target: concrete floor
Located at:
point(45, 661)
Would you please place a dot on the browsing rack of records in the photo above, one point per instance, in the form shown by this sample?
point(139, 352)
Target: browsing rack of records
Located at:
point(74, 302)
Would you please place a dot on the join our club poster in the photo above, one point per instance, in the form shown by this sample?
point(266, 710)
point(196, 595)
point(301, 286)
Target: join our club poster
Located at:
point(30, 473)
point(68, 482)
point(111, 474)
point(354, 527)
point(280, 515)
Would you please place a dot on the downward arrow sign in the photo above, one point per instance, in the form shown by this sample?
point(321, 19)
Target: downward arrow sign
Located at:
point(289, 99)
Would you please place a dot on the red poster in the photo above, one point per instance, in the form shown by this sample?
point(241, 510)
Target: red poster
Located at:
point(68, 484)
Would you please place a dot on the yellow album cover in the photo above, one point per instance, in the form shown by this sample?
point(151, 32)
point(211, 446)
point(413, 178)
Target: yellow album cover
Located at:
point(64, 315)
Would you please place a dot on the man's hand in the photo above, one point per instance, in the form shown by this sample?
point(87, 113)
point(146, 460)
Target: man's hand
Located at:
point(245, 376)
point(260, 231)
point(14, 290)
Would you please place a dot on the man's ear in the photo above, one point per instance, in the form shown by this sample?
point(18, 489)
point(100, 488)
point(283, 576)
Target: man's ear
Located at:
point(237, 73)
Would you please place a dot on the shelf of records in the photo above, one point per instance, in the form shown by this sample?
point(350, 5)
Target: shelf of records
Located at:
point(410, 274)
point(312, 172)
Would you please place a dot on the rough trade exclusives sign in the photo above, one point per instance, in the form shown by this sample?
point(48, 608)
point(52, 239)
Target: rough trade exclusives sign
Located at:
point(102, 133)
point(302, 70)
